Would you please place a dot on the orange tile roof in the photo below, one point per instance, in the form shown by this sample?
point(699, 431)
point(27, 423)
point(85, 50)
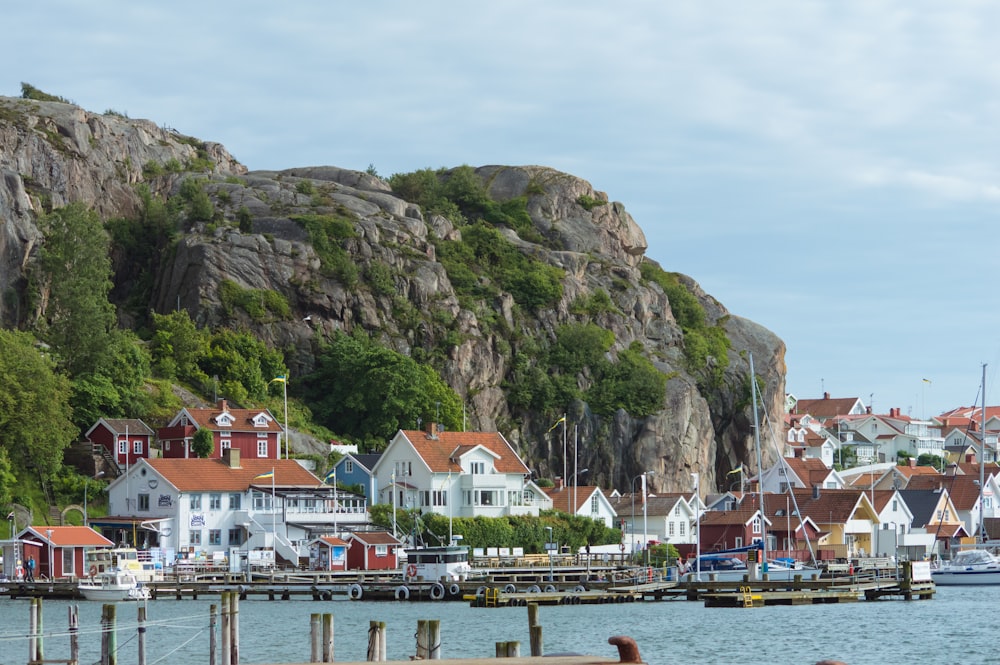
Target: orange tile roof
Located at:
point(831, 507)
point(333, 540)
point(810, 470)
point(375, 538)
point(827, 407)
point(440, 452)
point(193, 475)
point(242, 419)
point(741, 516)
point(562, 499)
point(71, 536)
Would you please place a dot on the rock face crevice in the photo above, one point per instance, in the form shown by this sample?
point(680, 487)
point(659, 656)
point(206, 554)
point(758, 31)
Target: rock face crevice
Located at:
point(52, 154)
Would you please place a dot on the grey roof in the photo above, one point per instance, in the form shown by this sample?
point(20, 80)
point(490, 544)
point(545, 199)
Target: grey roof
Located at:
point(922, 504)
point(367, 460)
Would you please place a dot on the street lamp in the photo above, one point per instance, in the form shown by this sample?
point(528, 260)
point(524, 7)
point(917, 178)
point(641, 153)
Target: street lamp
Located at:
point(697, 526)
point(86, 486)
point(632, 524)
point(548, 547)
point(48, 535)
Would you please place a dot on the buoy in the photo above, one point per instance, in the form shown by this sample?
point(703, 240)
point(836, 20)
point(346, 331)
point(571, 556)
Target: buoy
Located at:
point(402, 592)
point(354, 592)
point(93, 570)
point(411, 571)
point(437, 591)
point(454, 589)
point(510, 588)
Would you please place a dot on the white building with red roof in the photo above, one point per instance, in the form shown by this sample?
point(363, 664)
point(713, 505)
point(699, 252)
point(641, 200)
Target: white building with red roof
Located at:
point(456, 474)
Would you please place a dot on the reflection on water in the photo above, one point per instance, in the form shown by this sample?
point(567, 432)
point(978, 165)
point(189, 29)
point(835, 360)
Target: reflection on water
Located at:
point(940, 631)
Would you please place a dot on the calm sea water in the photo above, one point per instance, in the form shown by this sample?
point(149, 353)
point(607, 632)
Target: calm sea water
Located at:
point(953, 628)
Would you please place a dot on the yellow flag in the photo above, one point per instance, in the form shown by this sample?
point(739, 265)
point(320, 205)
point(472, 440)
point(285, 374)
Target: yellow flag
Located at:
point(556, 423)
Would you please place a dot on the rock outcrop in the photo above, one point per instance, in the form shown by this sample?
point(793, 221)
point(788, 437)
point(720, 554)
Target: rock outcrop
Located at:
point(53, 153)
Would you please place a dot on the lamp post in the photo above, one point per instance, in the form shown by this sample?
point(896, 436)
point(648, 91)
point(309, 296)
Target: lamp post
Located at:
point(576, 474)
point(632, 524)
point(697, 527)
point(48, 535)
point(548, 548)
point(86, 486)
point(335, 504)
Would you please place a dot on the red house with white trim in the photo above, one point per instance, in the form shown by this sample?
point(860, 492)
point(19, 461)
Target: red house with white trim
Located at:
point(66, 544)
point(127, 440)
point(254, 432)
point(373, 550)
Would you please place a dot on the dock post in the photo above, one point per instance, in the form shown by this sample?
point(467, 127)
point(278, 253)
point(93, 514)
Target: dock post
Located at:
point(226, 655)
point(74, 633)
point(534, 631)
point(109, 635)
point(423, 639)
point(33, 630)
point(234, 627)
point(328, 638)
point(141, 638)
point(508, 649)
point(434, 635)
point(376, 641)
point(213, 615)
point(314, 638)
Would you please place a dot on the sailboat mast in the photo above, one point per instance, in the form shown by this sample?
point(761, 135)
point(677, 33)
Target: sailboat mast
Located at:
point(982, 459)
point(760, 472)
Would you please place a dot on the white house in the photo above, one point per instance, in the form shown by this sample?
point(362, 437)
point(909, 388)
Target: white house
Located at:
point(456, 474)
point(800, 472)
point(584, 501)
point(206, 509)
point(667, 517)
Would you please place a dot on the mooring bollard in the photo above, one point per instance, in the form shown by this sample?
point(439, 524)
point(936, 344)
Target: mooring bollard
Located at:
point(423, 640)
point(535, 631)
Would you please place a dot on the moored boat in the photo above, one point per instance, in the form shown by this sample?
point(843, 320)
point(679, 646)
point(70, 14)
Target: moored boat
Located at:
point(968, 567)
point(113, 585)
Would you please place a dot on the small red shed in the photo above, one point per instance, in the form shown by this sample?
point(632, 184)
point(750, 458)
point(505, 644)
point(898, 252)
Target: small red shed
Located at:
point(59, 551)
point(373, 550)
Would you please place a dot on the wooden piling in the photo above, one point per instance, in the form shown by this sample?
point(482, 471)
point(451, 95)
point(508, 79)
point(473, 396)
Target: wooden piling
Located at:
point(234, 628)
point(434, 635)
point(226, 636)
point(315, 638)
point(534, 631)
point(33, 612)
point(327, 638)
point(423, 639)
point(213, 647)
point(141, 638)
point(376, 641)
point(508, 649)
point(74, 633)
point(109, 635)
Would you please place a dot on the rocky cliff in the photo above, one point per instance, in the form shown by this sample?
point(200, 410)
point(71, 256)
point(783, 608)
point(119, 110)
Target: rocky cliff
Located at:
point(53, 153)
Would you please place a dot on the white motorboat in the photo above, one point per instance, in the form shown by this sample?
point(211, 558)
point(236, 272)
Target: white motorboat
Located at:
point(113, 585)
point(968, 567)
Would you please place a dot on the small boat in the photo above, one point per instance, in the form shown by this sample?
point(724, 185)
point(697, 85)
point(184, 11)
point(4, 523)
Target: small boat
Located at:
point(113, 585)
point(968, 567)
point(448, 562)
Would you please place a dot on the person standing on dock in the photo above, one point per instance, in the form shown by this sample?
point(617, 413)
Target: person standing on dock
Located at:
point(30, 569)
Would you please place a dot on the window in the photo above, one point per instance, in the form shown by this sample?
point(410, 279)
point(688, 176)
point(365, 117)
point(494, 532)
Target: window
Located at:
point(262, 448)
point(681, 528)
point(194, 502)
point(677, 510)
point(68, 567)
point(194, 537)
point(215, 501)
point(593, 505)
point(261, 435)
point(215, 536)
point(144, 502)
point(738, 541)
point(477, 468)
point(349, 466)
point(261, 501)
point(227, 444)
point(755, 525)
point(670, 528)
point(236, 537)
point(123, 447)
point(234, 501)
point(137, 446)
point(381, 550)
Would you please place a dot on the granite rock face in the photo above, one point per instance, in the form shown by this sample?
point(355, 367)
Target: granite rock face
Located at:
point(52, 154)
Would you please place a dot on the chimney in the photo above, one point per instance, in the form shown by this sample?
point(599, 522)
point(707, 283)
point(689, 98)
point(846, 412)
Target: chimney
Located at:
point(970, 458)
point(223, 404)
point(558, 483)
point(913, 462)
point(231, 457)
point(826, 395)
point(815, 491)
point(431, 430)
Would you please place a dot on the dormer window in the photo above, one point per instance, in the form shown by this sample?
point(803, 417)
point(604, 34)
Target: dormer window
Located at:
point(224, 420)
point(260, 420)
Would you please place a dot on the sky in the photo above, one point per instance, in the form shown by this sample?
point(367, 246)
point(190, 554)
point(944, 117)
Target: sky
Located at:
point(828, 170)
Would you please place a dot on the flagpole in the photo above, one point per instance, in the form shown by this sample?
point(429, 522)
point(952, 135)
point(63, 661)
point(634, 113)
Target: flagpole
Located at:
point(274, 519)
point(565, 477)
point(284, 391)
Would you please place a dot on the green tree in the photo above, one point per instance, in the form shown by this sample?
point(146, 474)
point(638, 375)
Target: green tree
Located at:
point(203, 443)
point(369, 392)
point(75, 269)
point(35, 422)
point(177, 347)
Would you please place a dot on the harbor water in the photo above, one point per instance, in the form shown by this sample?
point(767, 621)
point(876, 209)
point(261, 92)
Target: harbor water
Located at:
point(947, 630)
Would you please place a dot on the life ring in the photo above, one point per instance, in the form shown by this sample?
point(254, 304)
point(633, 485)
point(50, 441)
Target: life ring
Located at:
point(533, 589)
point(93, 570)
point(411, 571)
point(437, 591)
point(402, 592)
point(454, 589)
point(510, 588)
point(354, 592)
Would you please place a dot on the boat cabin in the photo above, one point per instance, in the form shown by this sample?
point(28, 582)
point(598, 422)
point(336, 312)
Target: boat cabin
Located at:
point(450, 562)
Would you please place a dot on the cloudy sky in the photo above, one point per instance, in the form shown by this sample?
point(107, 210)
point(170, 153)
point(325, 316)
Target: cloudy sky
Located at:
point(827, 169)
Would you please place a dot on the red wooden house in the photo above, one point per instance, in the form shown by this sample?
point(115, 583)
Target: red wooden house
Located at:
point(728, 529)
point(126, 440)
point(373, 550)
point(254, 432)
point(60, 551)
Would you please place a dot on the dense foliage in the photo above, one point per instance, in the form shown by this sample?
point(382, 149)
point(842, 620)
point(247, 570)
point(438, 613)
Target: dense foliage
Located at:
point(368, 392)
